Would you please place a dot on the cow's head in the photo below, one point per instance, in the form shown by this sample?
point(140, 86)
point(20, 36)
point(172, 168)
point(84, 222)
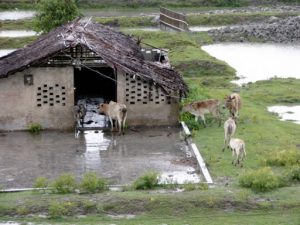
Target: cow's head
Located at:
point(101, 108)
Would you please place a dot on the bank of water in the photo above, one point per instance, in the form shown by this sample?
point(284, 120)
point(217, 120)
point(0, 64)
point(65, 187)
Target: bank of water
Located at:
point(255, 62)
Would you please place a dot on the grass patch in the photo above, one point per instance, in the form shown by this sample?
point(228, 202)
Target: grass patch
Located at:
point(12, 43)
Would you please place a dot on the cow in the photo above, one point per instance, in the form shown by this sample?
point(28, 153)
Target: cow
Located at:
point(233, 103)
point(200, 108)
point(79, 114)
point(114, 111)
point(229, 130)
point(238, 151)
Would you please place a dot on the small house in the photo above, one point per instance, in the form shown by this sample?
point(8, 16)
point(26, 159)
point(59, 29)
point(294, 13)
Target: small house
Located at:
point(42, 82)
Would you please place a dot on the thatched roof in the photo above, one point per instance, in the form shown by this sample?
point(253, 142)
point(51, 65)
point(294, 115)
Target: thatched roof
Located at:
point(117, 49)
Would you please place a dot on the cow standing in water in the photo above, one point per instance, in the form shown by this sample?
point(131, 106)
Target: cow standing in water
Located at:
point(233, 103)
point(200, 108)
point(115, 111)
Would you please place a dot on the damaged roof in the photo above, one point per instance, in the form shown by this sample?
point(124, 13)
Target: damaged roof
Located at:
point(118, 50)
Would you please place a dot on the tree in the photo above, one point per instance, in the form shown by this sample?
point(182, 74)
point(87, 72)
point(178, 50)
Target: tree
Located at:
point(54, 13)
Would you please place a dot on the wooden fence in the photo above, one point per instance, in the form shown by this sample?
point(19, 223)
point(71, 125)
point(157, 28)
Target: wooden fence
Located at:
point(170, 20)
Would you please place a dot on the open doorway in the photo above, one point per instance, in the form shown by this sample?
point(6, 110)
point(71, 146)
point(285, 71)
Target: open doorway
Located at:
point(92, 87)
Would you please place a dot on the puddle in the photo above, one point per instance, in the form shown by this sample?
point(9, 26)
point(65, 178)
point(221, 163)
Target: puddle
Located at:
point(4, 52)
point(17, 33)
point(180, 177)
point(121, 159)
point(204, 28)
point(16, 15)
point(287, 113)
point(254, 62)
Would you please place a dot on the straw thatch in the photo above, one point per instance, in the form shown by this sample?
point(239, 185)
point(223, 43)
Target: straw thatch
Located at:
point(118, 50)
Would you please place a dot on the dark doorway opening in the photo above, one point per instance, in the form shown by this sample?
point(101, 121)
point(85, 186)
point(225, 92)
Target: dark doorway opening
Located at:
point(92, 87)
point(95, 83)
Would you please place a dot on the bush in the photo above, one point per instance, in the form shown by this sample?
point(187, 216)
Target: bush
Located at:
point(90, 183)
point(64, 184)
point(190, 121)
point(294, 174)
point(147, 181)
point(56, 210)
point(35, 128)
point(260, 180)
point(54, 13)
point(283, 158)
point(41, 182)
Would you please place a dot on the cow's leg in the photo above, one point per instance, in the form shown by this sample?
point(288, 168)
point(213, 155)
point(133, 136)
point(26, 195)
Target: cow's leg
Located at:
point(124, 121)
point(203, 119)
point(111, 123)
point(119, 125)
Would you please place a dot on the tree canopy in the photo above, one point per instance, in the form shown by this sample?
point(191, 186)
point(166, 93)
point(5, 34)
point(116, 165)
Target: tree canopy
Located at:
point(53, 13)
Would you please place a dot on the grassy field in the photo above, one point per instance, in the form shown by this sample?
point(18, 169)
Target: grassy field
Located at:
point(225, 203)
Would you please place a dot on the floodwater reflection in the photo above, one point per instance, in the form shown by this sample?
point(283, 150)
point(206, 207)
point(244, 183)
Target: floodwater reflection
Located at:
point(121, 159)
point(4, 52)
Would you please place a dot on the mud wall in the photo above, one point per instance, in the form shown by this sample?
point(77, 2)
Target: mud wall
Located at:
point(147, 105)
point(37, 95)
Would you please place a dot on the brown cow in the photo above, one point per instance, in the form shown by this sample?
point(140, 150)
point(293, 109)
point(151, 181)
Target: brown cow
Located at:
point(233, 103)
point(115, 111)
point(200, 108)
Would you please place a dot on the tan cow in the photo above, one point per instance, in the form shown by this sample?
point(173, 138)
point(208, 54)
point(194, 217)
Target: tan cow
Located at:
point(233, 103)
point(200, 108)
point(238, 150)
point(115, 111)
point(229, 130)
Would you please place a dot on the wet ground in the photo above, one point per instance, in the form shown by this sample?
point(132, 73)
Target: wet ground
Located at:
point(120, 159)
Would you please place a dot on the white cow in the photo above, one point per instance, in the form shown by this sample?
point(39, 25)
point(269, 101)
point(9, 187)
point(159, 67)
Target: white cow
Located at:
point(229, 130)
point(115, 111)
point(238, 150)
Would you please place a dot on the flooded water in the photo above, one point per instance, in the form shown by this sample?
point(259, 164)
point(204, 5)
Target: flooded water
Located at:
point(255, 62)
point(4, 52)
point(16, 15)
point(120, 159)
point(17, 33)
point(203, 28)
point(287, 113)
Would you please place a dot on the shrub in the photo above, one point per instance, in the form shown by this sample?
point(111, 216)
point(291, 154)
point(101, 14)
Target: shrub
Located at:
point(147, 181)
point(41, 182)
point(35, 128)
point(283, 158)
point(91, 183)
point(294, 174)
point(56, 210)
point(190, 121)
point(260, 180)
point(64, 184)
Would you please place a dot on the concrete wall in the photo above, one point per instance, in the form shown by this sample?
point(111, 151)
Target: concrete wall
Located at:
point(49, 101)
point(146, 104)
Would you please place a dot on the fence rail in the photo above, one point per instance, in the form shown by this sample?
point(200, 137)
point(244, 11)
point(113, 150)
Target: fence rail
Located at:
point(170, 20)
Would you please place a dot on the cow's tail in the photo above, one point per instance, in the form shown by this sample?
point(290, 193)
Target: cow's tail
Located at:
point(230, 130)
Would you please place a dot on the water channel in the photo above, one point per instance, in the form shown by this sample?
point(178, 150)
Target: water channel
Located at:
point(16, 15)
point(254, 62)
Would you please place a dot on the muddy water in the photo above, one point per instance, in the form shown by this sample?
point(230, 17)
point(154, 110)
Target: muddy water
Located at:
point(120, 159)
point(16, 15)
point(255, 62)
